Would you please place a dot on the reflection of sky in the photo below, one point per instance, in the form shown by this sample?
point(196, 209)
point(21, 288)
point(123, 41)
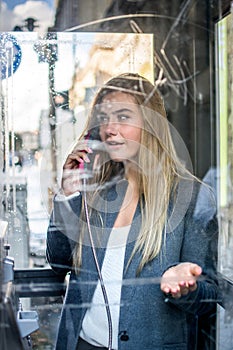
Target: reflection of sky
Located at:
point(29, 84)
point(12, 3)
point(13, 13)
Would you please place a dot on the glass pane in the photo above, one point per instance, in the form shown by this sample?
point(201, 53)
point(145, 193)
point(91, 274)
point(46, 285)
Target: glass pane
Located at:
point(224, 78)
point(224, 30)
point(45, 106)
point(52, 65)
point(48, 83)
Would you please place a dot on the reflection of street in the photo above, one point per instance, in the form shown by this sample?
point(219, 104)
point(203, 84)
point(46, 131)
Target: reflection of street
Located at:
point(37, 215)
point(48, 308)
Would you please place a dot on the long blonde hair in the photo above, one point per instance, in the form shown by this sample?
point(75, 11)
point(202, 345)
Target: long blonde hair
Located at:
point(157, 155)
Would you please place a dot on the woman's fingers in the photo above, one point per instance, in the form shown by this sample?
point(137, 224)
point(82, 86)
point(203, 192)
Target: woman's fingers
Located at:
point(180, 279)
point(72, 167)
point(77, 157)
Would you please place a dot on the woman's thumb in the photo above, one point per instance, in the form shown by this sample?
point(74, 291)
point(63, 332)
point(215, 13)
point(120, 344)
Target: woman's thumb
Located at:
point(195, 270)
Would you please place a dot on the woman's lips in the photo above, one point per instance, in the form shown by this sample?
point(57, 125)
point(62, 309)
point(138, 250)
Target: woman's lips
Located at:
point(114, 144)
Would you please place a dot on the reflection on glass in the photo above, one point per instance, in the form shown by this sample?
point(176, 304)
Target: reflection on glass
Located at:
point(45, 98)
point(225, 162)
point(225, 79)
point(44, 106)
point(45, 101)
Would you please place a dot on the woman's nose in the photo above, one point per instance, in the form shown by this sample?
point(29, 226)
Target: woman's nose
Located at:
point(112, 128)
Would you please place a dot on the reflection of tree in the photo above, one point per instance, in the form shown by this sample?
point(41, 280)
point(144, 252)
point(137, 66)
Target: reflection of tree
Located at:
point(47, 52)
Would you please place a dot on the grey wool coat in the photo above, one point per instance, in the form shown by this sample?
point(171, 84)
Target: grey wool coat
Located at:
point(149, 319)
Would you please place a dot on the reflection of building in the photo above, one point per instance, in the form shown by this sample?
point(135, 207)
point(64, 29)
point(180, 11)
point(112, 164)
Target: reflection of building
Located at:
point(18, 229)
point(44, 131)
point(110, 55)
point(75, 12)
point(30, 140)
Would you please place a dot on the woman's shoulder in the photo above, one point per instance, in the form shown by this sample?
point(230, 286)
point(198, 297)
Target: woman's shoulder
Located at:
point(195, 196)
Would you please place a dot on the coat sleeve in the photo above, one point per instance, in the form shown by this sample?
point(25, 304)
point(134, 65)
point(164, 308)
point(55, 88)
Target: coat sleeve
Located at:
point(200, 242)
point(62, 233)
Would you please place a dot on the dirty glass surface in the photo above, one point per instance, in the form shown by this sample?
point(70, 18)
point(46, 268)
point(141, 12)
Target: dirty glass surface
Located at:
point(224, 78)
point(55, 55)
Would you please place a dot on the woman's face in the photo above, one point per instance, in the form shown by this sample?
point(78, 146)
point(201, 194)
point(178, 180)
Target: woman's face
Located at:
point(120, 122)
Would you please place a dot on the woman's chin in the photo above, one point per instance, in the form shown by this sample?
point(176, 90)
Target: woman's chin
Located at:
point(118, 159)
point(122, 157)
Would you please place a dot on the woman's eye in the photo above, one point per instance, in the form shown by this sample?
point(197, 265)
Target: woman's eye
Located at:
point(123, 117)
point(102, 118)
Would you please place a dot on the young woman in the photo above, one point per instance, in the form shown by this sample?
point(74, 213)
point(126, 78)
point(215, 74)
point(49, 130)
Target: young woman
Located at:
point(142, 265)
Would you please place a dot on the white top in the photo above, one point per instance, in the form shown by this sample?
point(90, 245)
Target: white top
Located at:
point(95, 322)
